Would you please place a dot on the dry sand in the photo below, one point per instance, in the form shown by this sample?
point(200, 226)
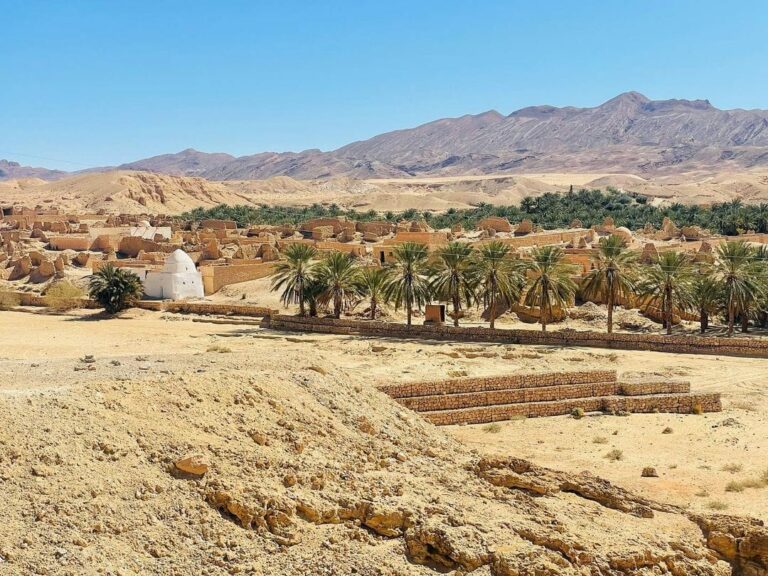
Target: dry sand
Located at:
point(139, 192)
point(691, 461)
point(310, 469)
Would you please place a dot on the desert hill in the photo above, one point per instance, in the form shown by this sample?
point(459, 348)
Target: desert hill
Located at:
point(627, 134)
point(121, 191)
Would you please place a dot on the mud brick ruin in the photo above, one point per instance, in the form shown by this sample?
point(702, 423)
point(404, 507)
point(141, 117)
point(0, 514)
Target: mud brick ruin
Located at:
point(481, 400)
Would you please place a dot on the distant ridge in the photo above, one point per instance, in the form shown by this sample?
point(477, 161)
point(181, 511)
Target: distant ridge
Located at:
point(13, 171)
point(629, 133)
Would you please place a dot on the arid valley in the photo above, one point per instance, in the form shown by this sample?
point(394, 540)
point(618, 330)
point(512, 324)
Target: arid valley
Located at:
point(390, 288)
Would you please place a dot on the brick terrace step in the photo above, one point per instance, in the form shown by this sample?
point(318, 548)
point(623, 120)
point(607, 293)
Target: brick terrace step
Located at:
point(673, 403)
point(642, 387)
point(509, 396)
point(505, 382)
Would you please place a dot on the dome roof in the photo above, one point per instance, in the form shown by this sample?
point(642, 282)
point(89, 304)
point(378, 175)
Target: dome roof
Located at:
point(179, 261)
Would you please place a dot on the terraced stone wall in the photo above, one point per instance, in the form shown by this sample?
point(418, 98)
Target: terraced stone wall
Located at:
point(746, 347)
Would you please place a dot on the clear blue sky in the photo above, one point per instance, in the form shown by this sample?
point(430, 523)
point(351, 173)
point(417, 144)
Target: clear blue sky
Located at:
point(85, 83)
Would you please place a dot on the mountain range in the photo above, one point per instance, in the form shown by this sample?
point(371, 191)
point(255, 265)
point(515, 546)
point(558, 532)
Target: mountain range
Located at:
point(629, 133)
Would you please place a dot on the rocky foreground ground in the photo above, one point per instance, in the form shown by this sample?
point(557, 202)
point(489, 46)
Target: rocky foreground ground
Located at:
point(270, 461)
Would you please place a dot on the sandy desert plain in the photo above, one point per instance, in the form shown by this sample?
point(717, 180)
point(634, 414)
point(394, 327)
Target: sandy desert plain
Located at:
point(301, 443)
point(301, 465)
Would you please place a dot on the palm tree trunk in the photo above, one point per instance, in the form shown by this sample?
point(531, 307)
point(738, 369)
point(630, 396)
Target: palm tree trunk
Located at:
point(456, 307)
point(668, 305)
point(337, 307)
point(610, 312)
point(731, 319)
point(492, 310)
point(745, 321)
point(703, 320)
point(373, 308)
point(408, 304)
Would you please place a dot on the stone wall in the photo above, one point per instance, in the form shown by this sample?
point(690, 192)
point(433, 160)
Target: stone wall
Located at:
point(216, 277)
point(544, 238)
point(487, 399)
point(205, 308)
point(670, 403)
point(421, 237)
point(692, 344)
point(505, 382)
point(70, 242)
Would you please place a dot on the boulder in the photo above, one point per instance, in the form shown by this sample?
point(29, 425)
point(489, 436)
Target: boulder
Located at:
point(525, 227)
point(195, 464)
point(494, 223)
point(21, 268)
point(624, 233)
point(322, 232)
point(82, 259)
point(650, 254)
point(691, 232)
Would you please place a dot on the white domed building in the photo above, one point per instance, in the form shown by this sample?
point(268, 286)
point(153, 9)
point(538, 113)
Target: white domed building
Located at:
point(179, 279)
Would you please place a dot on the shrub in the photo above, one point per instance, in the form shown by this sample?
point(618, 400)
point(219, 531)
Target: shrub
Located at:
point(63, 295)
point(599, 440)
point(115, 289)
point(698, 408)
point(732, 468)
point(9, 299)
point(649, 472)
point(734, 486)
point(219, 348)
point(577, 413)
point(493, 428)
point(717, 505)
point(615, 455)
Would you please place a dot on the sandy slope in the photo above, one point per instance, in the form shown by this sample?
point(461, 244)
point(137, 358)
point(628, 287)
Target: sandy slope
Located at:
point(312, 471)
point(137, 192)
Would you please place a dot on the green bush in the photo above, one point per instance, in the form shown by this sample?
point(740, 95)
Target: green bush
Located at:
point(63, 295)
point(115, 289)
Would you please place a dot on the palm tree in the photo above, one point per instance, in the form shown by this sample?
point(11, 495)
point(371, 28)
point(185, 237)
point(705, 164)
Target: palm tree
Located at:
point(668, 284)
point(739, 271)
point(293, 273)
point(454, 277)
point(408, 283)
point(706, 297)
point(498, 277)
point(761, 264)
point(551, 285)
point(611, 279)
point(372, 284)
point(313, 289)
point(338, 274)
point(115, 288)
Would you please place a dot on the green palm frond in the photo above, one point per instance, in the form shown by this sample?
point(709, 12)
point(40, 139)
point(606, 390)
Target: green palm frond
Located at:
point(115, 288)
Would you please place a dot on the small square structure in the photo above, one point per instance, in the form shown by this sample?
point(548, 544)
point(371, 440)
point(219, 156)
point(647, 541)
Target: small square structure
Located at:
point(434, 314)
